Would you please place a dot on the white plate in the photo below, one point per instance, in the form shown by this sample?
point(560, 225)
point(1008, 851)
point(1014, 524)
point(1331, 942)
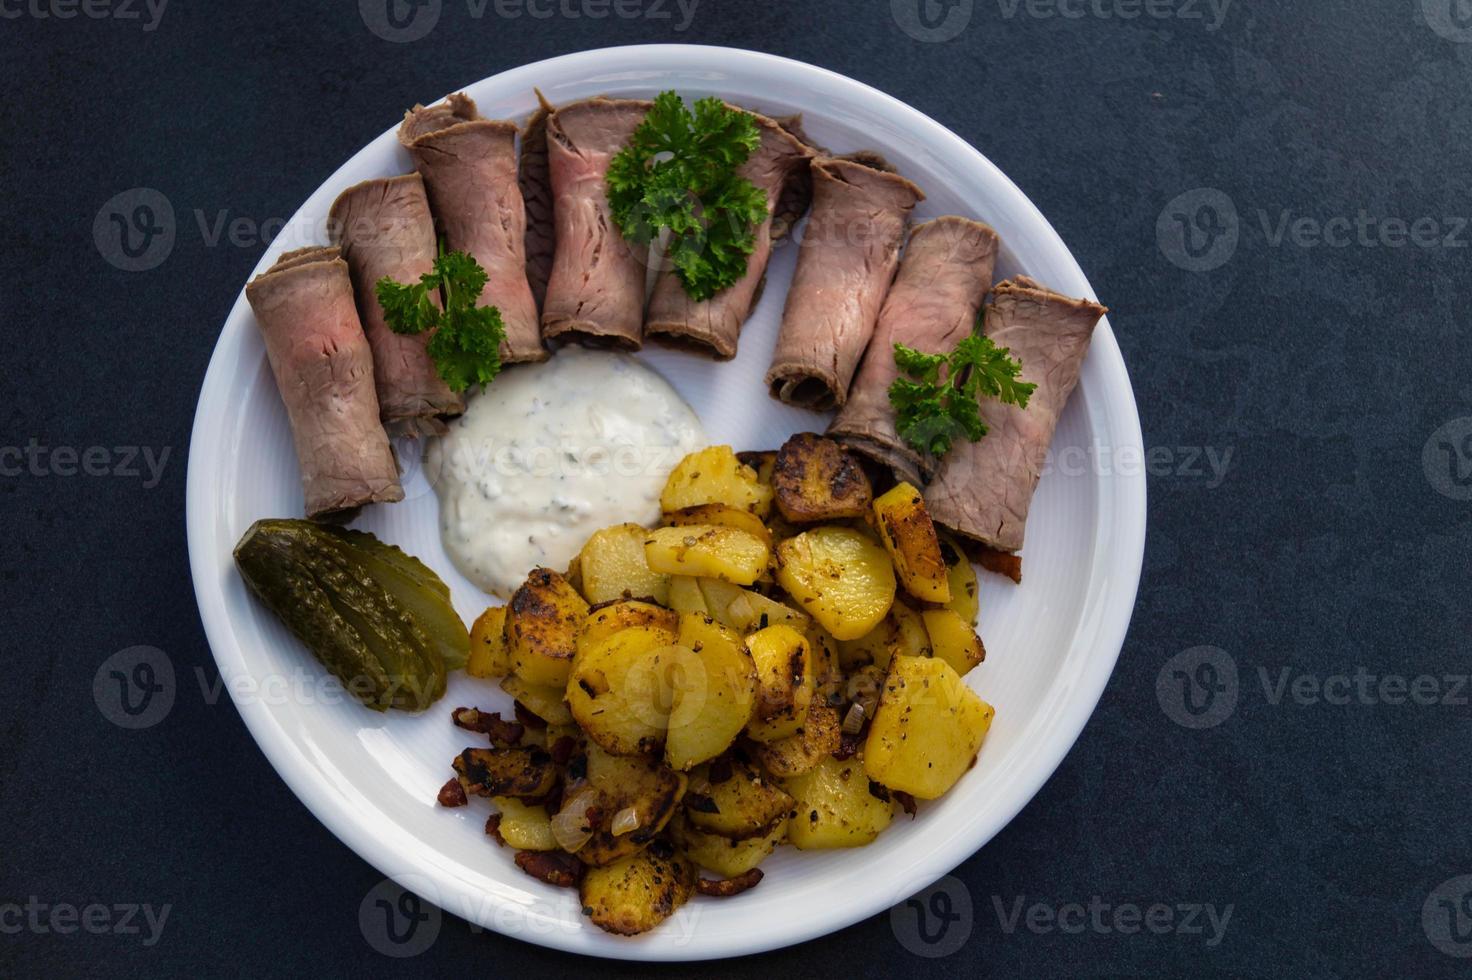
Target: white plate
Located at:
point(1051, 643)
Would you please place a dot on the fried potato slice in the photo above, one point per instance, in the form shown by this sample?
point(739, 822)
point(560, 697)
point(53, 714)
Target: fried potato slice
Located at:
point(840, 577)
point(740, 806)
point(612, 566)
point(618, 691)
point(708, 551)
point(637, 893)
point(714, 695)
point(953, 640)
point(715, 476)
point(834, 806)
point(909, 536)
point(722, 855)
point(785, 682)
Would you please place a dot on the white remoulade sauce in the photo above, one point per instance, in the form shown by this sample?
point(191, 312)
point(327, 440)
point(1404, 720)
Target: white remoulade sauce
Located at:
point(549, 453)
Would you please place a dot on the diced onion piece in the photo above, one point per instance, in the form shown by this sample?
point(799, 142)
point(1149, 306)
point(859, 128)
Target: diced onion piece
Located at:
point(854, 720)
point(625, 821)
point(571, 825)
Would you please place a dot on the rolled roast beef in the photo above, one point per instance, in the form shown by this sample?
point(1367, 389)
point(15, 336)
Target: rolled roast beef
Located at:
point(536, 192)
point(596, 290)
point(469, 166)
point(844, 268)
point(944, 275)
point(324, 371)
point(983, 490)
point(714, 324)
point(384, 228)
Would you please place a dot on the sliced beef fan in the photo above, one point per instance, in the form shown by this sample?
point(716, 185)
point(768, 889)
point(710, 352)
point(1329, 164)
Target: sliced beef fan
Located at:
point(384, 229)
point(944, 275)
point(982, 490)
point(324, 371)
point(596, 291)
point(469, 166)
point(713, 325)
point(844, 268)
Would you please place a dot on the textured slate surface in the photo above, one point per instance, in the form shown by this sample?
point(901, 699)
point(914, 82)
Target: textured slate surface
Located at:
point(1311, 324)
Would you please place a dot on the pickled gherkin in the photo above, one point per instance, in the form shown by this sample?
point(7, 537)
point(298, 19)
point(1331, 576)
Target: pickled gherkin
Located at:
point(378, 618)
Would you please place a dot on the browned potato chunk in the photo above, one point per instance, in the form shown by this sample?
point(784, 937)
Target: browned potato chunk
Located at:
point(612, 566)
point(816, 480)
point(909, 537)
point(785, 682)
point(525, 773)
point(635, 795)
point(723, 515)
point(637, 893)
point(840, 577)
point(489, 656)
point(715, 476)
point(543, 620)
point(953, 640)
point(708, 551)
point(743, 805)
point(927, 729)
point(799, 753)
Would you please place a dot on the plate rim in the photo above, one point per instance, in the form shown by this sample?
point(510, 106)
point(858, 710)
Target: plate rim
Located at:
point(1124, 564)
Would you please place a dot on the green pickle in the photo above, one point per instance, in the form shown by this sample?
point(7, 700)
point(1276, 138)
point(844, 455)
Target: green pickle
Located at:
point(376, 617)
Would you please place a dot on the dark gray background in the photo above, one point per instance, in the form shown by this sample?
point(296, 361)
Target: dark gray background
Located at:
point(1336, 374)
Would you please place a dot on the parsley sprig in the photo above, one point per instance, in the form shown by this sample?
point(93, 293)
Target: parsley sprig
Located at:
point(931, 412)
point(466, 347)
point(678, 171)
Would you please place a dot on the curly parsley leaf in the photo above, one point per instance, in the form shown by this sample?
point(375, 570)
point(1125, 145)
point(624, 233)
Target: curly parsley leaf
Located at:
point(679, 171)
point(931, 413)
point(466, 346)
